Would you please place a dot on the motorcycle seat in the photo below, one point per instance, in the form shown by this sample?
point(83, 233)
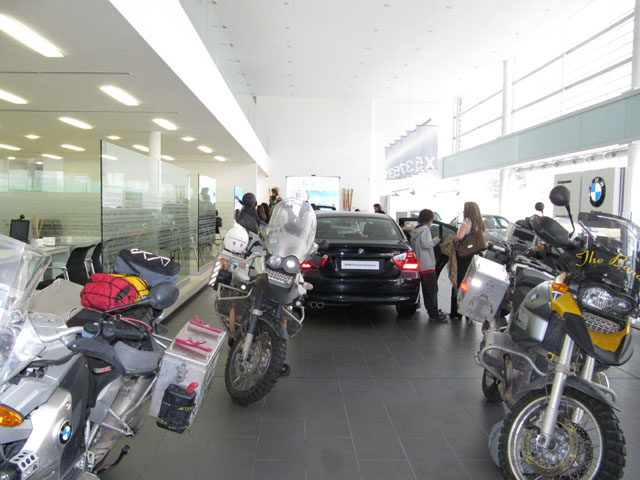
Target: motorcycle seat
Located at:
point(127, 360)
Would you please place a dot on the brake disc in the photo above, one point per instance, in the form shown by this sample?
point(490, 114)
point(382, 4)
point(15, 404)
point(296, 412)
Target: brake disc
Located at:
point(557, 462)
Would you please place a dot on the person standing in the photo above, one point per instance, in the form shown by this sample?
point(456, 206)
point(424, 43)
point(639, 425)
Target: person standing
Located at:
point(377, 208)
point(472, 222)
point(423, 243)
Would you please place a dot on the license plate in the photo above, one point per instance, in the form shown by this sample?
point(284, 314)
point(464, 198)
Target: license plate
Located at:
point(360, 265)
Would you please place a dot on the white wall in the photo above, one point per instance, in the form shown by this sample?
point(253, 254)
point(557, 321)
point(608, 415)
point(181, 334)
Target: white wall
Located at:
point(227, 176)
point(319, 136)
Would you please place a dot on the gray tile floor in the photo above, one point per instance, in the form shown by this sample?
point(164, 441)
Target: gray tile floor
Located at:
point(370, 397)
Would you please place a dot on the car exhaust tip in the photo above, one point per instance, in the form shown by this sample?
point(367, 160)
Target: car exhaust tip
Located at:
point(319, 305)
point(312, 304)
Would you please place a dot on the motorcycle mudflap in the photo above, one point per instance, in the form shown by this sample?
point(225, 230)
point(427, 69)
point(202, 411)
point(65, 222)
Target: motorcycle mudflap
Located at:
point(576, 383)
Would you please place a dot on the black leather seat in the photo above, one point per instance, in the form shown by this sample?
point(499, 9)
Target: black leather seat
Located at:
point(75, 270)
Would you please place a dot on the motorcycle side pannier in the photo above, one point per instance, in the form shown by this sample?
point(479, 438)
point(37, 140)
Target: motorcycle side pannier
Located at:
point(482, 290)
point(191, 358)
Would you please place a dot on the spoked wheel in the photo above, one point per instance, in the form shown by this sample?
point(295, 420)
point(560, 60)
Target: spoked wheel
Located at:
point(491, 387)
point(588, 442)
point(250, 379)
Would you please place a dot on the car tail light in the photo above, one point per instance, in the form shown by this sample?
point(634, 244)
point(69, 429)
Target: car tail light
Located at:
point(406, 261)
point(464, 287)
point(324, 260)
point(306, 266)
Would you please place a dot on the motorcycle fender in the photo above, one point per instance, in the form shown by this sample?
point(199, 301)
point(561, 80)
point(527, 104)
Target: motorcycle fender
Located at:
point(574, 382)
point(277, 326)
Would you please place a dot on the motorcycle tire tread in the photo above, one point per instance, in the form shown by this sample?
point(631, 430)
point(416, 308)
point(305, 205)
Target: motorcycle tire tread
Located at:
point(613, 456)
point(269, 380)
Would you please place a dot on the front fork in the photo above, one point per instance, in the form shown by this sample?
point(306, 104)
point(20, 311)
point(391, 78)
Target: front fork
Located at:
point(562, 371)
point(256, 313)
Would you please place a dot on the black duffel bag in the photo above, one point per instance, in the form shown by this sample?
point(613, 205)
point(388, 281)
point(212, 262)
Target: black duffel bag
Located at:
point(151, 267)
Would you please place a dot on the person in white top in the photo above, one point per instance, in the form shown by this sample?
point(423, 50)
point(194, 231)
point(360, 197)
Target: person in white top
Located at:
point(472, 222)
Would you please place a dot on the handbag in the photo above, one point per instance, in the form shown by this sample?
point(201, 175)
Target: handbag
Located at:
point(471, 243)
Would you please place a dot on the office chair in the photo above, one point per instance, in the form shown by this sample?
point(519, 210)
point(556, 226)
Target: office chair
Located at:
point(75, 270)
point(96, 259)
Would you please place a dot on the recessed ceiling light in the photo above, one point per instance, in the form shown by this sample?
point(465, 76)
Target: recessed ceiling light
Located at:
point(32, 136)
point(164, 123)
point(120, 95)
point(39, 163)
point(141, 147)
point(28, 37)
point(11, 158)
point(167, 157)
point(205, 149)
point(48, 155)
point(76, 123)
point(220, 158)
point(72, 147)
point(113, 137)
point(10, 97)
point(188, 139)
point(8, 147)
point(109, 157)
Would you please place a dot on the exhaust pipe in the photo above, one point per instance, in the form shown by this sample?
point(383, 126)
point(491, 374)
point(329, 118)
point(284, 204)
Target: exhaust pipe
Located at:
point(312, 305)
point(319, 305)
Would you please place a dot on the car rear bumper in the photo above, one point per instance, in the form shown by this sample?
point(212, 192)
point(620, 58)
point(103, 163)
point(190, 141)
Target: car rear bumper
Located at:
point(374, 291)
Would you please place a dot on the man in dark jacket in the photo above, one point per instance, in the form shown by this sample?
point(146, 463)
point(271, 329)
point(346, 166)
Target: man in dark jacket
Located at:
point(422, 243)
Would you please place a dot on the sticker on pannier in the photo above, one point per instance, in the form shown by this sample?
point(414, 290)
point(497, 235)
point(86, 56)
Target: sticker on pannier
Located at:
point(104, 291)
point(150, 267)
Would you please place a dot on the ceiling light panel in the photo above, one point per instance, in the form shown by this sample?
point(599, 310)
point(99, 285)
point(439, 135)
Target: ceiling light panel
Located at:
point(167, 157)
point(113, 137)
point(120, 95)
point(205, 149)
point(220, 158)
point(72, 147)
point(164, 123)
point(8, 147)
point(109, 157)
point(28, 37)
point(48, 155)
point(141, 147)
point(188, 139)
point(31, 136)
point(10, 97)
point(76, 123)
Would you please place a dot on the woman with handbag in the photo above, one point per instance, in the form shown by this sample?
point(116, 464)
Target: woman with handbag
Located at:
point(468, 241)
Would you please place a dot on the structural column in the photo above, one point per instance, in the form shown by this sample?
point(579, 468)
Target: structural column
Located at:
point(155, 148)
point(507, 108)
point(632, 197)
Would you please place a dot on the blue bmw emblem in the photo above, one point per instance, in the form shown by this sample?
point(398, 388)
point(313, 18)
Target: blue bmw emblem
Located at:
point(597, 191)
point(65, 432)
point(361, 251)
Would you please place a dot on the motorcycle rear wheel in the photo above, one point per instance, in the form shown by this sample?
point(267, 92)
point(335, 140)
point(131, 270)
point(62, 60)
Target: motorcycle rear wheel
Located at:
point(251, 379)
point(594, 448)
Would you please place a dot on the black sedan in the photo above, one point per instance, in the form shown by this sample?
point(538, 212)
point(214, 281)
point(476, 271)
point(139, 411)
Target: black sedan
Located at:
point(362, 258)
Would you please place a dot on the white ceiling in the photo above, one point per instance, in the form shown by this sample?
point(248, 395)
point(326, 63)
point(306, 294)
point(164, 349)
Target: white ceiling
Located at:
point(100, 47)
point(392, 49)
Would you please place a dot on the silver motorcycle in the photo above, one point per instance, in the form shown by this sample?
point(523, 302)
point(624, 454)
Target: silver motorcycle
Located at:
point(67, 394)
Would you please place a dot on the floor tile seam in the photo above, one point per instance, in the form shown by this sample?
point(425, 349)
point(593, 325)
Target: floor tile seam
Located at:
point(353, 443)
point(393, 425)
point(458, 459)
point(255, 450)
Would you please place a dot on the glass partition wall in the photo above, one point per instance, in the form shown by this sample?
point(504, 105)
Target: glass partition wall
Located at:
point(147, 204)
point(207, 220)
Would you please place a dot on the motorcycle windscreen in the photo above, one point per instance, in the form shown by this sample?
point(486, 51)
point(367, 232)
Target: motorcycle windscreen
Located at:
point(291, 229)
point(612, 250)
point(21, 267)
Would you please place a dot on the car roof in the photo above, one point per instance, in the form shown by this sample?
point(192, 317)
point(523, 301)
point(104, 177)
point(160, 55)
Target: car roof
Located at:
point(364, 215)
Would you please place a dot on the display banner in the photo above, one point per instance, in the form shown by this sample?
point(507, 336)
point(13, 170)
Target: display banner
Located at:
point(416, 153)
point(237, 196)
point(317, 190)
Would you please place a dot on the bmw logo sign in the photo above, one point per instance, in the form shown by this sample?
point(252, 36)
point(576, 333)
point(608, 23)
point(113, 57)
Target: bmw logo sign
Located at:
point(597, 191)
point(65, 432)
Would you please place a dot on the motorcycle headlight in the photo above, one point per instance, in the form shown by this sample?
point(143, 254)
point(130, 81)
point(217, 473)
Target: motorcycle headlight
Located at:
point(291, 265)
point(274, 261)
point(597, 298)
point(623, 305)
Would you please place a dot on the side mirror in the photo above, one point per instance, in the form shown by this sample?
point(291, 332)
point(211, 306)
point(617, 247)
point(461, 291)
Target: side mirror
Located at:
point(163, 295)
point(323, 245)
point(560, 196)
point(540, 207)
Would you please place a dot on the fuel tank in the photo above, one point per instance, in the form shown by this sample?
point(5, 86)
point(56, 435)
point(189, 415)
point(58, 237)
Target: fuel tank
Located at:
point(529, 326)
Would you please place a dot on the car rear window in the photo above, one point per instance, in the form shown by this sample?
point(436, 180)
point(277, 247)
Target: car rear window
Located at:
point(342, 228)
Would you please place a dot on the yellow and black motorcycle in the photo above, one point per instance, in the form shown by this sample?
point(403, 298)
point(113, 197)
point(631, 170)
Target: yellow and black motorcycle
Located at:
point(559, 342)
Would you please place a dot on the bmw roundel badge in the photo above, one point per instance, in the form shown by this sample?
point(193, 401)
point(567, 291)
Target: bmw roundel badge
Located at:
point(65, 433)
point(597, 191)
point(361, 251)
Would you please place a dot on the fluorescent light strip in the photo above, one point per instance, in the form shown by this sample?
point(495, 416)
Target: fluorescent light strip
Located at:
point(220, 158)
point(167, 157)
point(11, 158)
point(188, 139)
point(120, 95)
point(10, 97)
point(76, 123)
point(205, 149)
point(141, 147)
point(28, 37)
point(113, 137)
point(8, 147)
point(72, 147)
point(32, 136)
point(109, 157)
point(164, 123)
point(48, 155)
point(39, 163)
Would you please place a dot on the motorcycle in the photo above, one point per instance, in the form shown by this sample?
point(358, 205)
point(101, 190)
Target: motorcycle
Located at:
point(552, 355)
point(260, 300)
point(68, 393)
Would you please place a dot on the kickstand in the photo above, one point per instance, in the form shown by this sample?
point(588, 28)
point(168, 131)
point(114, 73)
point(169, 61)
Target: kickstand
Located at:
point(123, 452)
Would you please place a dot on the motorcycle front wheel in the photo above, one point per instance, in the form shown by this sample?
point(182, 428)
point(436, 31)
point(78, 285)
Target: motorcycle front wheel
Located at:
point(252, 378)
point(591, 448)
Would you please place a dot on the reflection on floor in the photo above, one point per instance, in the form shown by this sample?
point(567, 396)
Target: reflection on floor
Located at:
point(370, 396)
